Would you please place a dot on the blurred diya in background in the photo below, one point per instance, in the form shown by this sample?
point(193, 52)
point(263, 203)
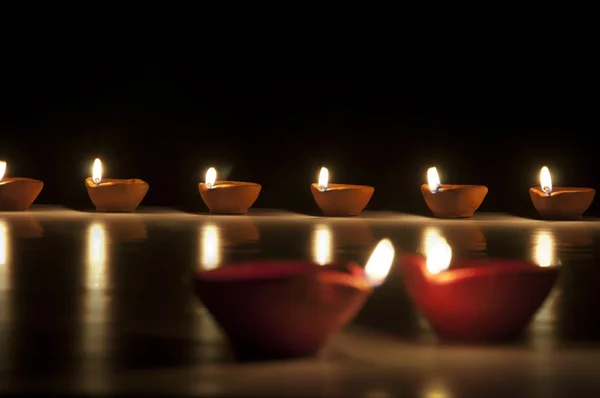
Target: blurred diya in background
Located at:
point(451, 200)
point(227, 197)
point(560, 203)
point(475, 299)
point(341, 200)
point(17, 193)
point(112, 194)
point(284, 308)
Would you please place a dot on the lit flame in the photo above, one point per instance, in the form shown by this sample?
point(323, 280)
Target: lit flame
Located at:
point(211, 247)
point(96, 277)
point(211, 177)
point(322, 245)
point(546, 180)
point(97, 171)
point(437, 250)
point(380, 262)
point(544, 249)
point(2, 170)
point(323, 179)
point(433, 179)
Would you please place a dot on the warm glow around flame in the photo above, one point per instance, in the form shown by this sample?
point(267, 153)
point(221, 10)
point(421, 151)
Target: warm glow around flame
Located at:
point(323, 179)
point(97, 171)
point(433, 180)
point(437, 251)
point(211, 247)
point(544, 249)
point(546, 180)
point(322, 245)
point(2, 170)
point(211, 177)
point(380, 262)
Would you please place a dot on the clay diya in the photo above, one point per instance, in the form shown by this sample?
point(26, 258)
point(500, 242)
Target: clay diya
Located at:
point(479, 299)
point(276, 308)
point(451, 200)
point(17, 193)
point(227, 197)
point(560, 203)
point(112, 194)
point(340, 200)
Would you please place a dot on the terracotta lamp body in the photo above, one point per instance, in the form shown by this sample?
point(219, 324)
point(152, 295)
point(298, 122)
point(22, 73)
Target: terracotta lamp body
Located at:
point(18, 193)
point(342, 200)
point(229, 197)
point(454, 201)
point(478, 299)
point(563, 203)
point(116, 195)
point(282, 308)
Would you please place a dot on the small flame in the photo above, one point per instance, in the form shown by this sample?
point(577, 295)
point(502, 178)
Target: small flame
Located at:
point(437, 251)
point(544, 249)
point(211, 177)
point(380, 262)
point(323, 179)
point(2, 170)
point(97, 171)
point(322, 245)
point(433, 179)
point(546, 180)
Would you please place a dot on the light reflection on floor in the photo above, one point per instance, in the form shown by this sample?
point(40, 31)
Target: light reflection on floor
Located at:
point(142, 329)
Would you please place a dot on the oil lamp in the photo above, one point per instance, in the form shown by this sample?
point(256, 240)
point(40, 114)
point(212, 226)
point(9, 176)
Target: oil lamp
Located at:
point(340, 199)
point(17, 193)
point(227, 197)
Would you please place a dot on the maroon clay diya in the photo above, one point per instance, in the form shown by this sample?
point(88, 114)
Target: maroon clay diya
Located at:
point(227, 197)
point(112, 194)
point(560, 203)
point(341, 200)
point(288, 308)
point(451, 200)
point(475, 299)
point(17, 193)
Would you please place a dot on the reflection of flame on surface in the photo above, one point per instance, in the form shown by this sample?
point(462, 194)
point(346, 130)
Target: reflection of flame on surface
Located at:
point(546, 180)
point(2, 169)
point(437, 250)
point(380, 262)
point(97, 171)
point(323, 179)
point(211, 177)
point(544, 248)
point(322, 244)
point(211, 247)
point(96, 273)
point(433, 179)
point(4, 256)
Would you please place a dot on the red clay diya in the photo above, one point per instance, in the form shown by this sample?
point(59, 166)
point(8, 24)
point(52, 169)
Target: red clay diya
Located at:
point(288, 308)
point(450, 200)
point(227, 197)
point(560, 203)
point(282, 309)
point(477, 299)
point(340, 200)
point(17, 193)
point(112, 194)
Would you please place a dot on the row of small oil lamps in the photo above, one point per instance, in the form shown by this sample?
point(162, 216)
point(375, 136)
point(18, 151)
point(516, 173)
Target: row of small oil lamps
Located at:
point(236, 197)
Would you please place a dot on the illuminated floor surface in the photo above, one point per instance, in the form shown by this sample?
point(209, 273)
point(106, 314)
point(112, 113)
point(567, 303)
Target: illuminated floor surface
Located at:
point(93, 303)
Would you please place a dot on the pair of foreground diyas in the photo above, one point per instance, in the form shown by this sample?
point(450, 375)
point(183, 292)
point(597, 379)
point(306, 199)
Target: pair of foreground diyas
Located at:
point(459, 201)
point(292, 308)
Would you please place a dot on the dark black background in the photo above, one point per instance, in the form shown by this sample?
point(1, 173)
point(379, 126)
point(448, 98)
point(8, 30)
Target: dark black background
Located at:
point(166, 115)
